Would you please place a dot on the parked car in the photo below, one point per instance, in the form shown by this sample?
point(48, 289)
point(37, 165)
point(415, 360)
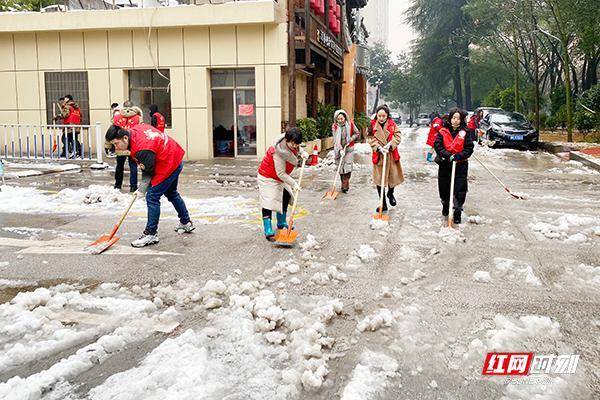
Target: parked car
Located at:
point(487, 110)
point(503, 128)
point(423, 119)
point(396, 118)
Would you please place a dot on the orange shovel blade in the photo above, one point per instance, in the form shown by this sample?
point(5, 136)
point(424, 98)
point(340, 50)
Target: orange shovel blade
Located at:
point(102, 244)
point(381, 216)
point(286, 237)
point(331, 195)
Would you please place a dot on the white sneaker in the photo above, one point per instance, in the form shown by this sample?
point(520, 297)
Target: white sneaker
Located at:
point(145, 240)
point(185, 228)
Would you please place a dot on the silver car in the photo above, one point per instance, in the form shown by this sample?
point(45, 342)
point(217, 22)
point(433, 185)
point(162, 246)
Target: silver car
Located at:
point(423, 119)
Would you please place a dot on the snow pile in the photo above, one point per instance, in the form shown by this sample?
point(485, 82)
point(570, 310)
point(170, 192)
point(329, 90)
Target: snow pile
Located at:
point(9, 283)
point(310, 243)
point(379, 224)
point(363, 148)
point(382, 318)
point(358, 257)
point(584, 275)
point(281, 270)
point(47, 321)
point(502, 235)
point(451, 235)
point(482, 276)
point(560, 228)
point(370, 376)
point(332, 274)
point(515, 271)
point(106, 200)
point(573, 167)
point(476, 219)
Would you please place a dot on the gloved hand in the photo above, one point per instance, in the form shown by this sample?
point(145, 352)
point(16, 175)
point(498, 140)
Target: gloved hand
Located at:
point(297, 187)
point(388, 146)
point(342, 153)
point(304, 155)
point(143, 186)
point(452, 158)
point(383, 150)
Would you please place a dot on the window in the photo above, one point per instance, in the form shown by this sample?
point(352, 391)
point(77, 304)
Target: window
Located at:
point(147, 87)
point(234, 112)
point(59, 84)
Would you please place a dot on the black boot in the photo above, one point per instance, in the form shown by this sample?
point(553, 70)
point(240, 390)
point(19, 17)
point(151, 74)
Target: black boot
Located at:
point(391, 198)
point(457, 216)
point(445, 208)
point(384, 202)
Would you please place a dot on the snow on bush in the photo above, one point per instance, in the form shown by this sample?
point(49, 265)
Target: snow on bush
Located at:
point(382, 318)
point(370, 376)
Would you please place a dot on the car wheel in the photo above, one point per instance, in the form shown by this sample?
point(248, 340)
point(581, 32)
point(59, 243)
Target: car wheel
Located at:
point(532, 147)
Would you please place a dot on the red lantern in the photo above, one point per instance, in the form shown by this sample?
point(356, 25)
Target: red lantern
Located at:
point(338, 26)
point(338, 11)
point(314, 4)
point(331, 20)
point(321, 10)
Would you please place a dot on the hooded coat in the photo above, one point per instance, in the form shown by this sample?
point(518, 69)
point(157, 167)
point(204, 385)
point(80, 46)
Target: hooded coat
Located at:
point(344, 135)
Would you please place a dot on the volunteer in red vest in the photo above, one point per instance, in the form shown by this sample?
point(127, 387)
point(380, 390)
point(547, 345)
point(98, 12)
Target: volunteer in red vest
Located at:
point(473, 124)
point(435, 127)
point(344, 134)
point(71, 115)
point(453, 143)
point(157, 120)
point(384, 138)
point(128, 116)
point(275, 184)
point(160, 158)
point(133, 118)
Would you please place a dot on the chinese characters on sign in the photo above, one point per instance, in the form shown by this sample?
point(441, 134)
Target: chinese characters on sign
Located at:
point(528, 364)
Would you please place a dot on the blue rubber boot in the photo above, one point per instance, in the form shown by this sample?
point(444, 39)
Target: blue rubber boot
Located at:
point(269, 234)
point(282, 221)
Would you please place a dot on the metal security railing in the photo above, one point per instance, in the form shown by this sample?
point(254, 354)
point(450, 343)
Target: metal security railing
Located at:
point(51, 142)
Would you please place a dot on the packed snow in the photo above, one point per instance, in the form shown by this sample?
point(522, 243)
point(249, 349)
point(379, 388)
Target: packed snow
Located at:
point(370, 376)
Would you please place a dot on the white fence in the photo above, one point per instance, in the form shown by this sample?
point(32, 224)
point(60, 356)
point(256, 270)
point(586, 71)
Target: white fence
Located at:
point(51, 142)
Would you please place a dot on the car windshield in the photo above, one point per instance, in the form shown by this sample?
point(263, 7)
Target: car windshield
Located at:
point(508, 118)
point(423, 116)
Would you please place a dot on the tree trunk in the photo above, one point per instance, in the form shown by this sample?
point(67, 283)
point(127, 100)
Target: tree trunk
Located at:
point(567, 74)
point(536, 78)
point(458, 85)
point(467, 80)
point(376, 102)
point(516, 79)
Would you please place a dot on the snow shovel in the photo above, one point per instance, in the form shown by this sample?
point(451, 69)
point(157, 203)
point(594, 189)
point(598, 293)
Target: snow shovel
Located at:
point(332, 194)
point(105, 241)
point(516, 196)
point(380, 215)
point(450, 201)
point(287, 237)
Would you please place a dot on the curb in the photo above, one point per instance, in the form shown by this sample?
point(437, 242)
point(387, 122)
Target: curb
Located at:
point(585, 159)
point(26, 173)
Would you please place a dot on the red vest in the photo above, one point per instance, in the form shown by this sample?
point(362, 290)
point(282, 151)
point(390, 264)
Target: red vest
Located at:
point(453, 144)
point(125, 122)
point(74, 117)
point(391, 128)
point(436, 125)
point(473, 122)
point(267, 166)
point(335, 126)
point(160, 121)
point(168, 153)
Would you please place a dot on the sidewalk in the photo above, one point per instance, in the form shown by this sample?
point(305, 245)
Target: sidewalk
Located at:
point(15, 170)
point(586, 153)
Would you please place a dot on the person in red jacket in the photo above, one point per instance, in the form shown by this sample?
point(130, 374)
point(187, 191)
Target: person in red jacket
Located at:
point(157, 120)
point(473, 124)
point(71, 115)
point(436, 125)
point(454, 143)
point(160, 158)
point(275, 185)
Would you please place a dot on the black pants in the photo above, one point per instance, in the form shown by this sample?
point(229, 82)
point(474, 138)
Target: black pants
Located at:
point(461, 185)
point(286, 202)
point(70, 140)
point(389, 190)
point(120, 169)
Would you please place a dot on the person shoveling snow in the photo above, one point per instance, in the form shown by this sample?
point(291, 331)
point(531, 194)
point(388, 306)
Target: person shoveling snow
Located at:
point(160, 158)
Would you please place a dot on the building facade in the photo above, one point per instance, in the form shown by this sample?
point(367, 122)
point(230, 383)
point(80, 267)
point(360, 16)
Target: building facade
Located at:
point(218, 72)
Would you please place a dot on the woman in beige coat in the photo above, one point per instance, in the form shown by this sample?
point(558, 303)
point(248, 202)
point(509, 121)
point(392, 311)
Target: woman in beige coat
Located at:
point(384, 138)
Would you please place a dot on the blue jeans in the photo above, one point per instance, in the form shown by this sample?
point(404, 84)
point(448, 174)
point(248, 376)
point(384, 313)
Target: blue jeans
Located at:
point(168, 187)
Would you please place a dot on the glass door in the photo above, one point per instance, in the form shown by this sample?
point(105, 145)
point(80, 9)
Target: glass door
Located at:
point(223, 123)
point(246, 122)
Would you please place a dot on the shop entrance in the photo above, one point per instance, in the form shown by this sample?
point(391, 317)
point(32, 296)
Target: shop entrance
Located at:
point(233, 112)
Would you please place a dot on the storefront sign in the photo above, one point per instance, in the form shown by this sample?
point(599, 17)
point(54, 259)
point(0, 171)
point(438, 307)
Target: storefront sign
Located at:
point(327, 41)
